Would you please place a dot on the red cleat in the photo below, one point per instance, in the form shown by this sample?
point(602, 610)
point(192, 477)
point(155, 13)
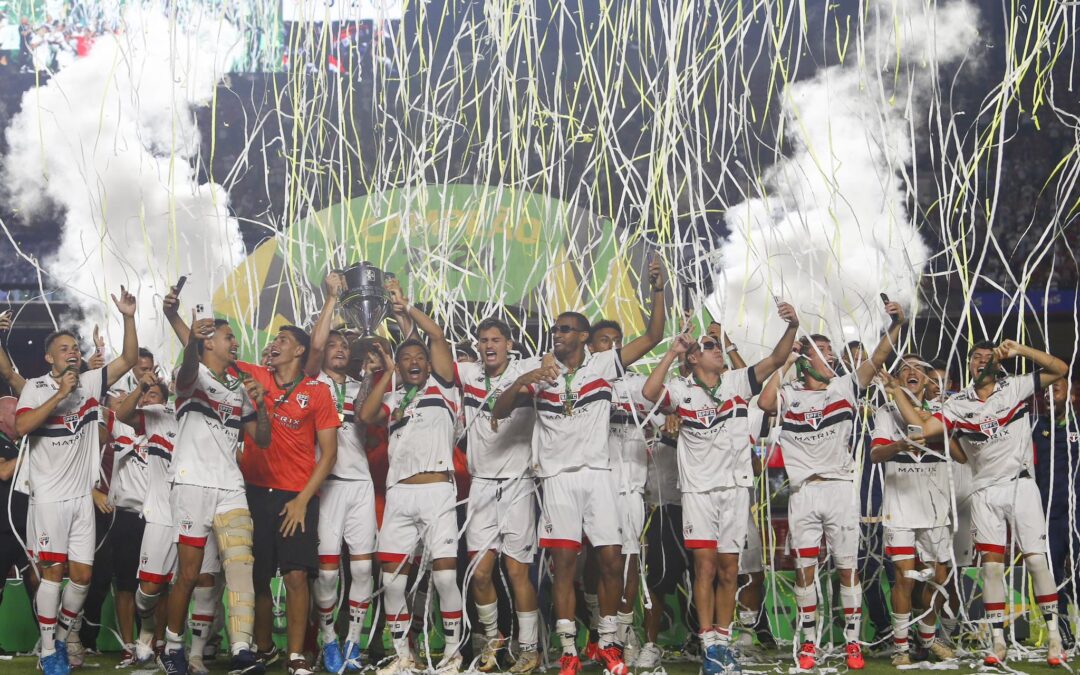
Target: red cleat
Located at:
point(854, 656)
point(592, 651)
point(611, 659)
point(569, 665)
point(806, 657)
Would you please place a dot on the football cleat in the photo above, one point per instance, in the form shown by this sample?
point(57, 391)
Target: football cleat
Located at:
point(648, 657)
point(941, 651)
point(998, 653)
point(569, 664)
point(1055, 654)
point(195, 665)
point(855, 659)
point(333, 659)
point(901, 658)
point(397, 665)
point(248, 662)
point(353, 657)
point(528, 661)
point(488, 662)
point(807, 656)
point(173, 662)
point(612, 659)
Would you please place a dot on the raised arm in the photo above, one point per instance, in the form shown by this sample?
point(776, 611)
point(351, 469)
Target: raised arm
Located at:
point(170, 306)
point(868, 369)
point(653, 389)
point(442, 355)
point(189, 366)
point(335, 284)
point(130, 354)
point(259, 430)
point(932, 427)
point(780, 353)
point(769, 399)
point(399, 310)
point(1053, 368)
point(7, 368)
point(29, 420)
point(127, 410)
point(371, 412)
point(640, 346)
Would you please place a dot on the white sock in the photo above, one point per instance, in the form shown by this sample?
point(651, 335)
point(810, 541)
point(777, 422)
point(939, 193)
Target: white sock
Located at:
point(748, 618)
point(709, 638)
point(324, 590)
point(592, 603)
point(528, 629)
point(900, 625)
point(450, 606)
point(723, 635)
point(359, 598)
point(949, 625)
point(146, 606)
point(927, 633)
point(397, 611)
point(566, 629)
point(47, 600)
point(851, 599)
point(606, 630)
point(71, 604)
point(202, 616)
point(1046, 595)
point(625, 621)
point(993, 574)
point(173, 641)
point(488, 617)
point(806, 601)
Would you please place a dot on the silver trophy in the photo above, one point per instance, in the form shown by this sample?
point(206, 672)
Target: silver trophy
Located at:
point(365, 301)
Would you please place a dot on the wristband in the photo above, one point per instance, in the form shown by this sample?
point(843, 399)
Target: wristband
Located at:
point(732, 348)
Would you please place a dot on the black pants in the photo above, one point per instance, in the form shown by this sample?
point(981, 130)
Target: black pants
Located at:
point(1060, 535)
point(127, 545)
point(100, 580)
point(273, 551)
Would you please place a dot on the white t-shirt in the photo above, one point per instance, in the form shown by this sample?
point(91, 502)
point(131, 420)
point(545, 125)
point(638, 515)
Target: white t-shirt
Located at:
point(816, 429)
point(210, 415)
point(572, 424)
point(157, 423)
point(995, 434)
point(129, 481)
point(422, 434)
point(916, 484)
point(351, 463)
point(65, 456)
point(504, 452)
point(714, 439)
point(627, 442)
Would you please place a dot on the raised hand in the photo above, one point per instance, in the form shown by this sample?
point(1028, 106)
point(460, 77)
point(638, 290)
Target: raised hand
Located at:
point(5, 321)
point(125, 303)
point(170, 306)
point(1008, 349)
point(682, 343)
point(69, 380)
point(335, 284)
point(657, 273)
point(787, 313)
point(148, 380)
point(254, 390)
point(894, 310)
point(201, 329)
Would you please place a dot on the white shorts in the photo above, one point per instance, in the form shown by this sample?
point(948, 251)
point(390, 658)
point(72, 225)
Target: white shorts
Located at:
point(928, 544)
point(58, 532)
point(829, 508)
point(194, 508)
point(414, 513)
point(502, 518)
point(346, 512)
point(579, 501)
point(964, 537)
point(1016, 505)
point(632, 518)
point(752, 556)
point(716, 519)
point(157, 557)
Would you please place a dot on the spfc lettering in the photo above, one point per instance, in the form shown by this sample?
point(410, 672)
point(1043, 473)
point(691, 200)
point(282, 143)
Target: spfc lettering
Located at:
point(813, 418)
point(225, 411)
point(71, 421)
point(706, 415)
point(989, 428)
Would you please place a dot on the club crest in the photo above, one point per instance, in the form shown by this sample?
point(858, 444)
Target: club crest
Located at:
point(706, 415)
point(225, 411)
point(813, 418)
point(303, 400)
point(989, 428)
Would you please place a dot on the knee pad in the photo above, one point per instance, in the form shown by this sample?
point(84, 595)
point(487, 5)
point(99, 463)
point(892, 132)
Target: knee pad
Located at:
point(233, 531)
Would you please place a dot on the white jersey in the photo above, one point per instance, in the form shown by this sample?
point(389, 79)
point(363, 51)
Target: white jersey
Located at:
point(157, 424)
point(64, 452)
point(129, 480)
point(714, 438)
point(995, 434)
point(816, 428)
point(421, 430)
point(662, 481)
point(627, 443)
point(210, 415)
point(351, 463)
point(503, 452)
point(572, 415)
point(916, 484)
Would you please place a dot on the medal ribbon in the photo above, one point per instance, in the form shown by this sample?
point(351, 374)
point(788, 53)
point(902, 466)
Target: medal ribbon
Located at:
point(409, 396)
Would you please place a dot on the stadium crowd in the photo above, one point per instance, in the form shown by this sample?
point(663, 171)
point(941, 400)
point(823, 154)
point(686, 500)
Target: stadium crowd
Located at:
point(362, 471)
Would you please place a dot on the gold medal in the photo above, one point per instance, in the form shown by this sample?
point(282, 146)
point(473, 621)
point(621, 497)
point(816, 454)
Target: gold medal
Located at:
point(494, 424)
point(341, 417)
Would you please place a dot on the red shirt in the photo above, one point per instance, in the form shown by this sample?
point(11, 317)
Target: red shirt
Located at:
point(296, 415)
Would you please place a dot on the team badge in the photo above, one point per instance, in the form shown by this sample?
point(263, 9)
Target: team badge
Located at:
point(224, 412)
point(144, 559)
point(71, 421)
point(568, 400)
point(989, 428)
point(813, 418)
point(688, 529)
point(547, 527)
point(43, 540)
point(705, 415)
point(302, 399)
point(186, 524)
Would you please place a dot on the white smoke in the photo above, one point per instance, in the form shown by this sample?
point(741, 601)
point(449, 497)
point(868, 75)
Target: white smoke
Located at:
point(833, 232)
point(110, 139)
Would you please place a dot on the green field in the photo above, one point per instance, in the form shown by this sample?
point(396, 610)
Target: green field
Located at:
point(772, 663)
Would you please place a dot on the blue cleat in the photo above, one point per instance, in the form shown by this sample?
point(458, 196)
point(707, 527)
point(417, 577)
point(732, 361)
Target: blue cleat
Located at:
point(247, 662)
point(711, 663)
point(353, 657)
point(61, 649)
point(333, 661)
point(54, 664)
point(728, 659)
point(173, 662)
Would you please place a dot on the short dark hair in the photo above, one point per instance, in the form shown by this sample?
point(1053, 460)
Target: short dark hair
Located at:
point(56, 334)
point(164, 388)
point(411, 342)
point(939, 365)
point(338, 334)
point(581, 320)
point(804, 341)
point(492, 322)
point(605, 323)
point(853, 345)
point(466, 349)
point(145, 353)
point(299, 334)
point(982, 344)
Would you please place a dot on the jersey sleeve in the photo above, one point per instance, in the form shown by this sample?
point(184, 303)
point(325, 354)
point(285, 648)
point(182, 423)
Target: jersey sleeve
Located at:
point(947, 415)
point(195, 382)
point(32, 396)
point(389, 400)
point(1026, 385)
point(95, 381)
point(744, 383)
point(674, 391)
point(885, 431)
point(611, 365)
point(325, 409)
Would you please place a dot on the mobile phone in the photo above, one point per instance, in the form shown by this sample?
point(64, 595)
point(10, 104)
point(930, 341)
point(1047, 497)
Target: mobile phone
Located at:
point(885, 298)
point(914, 430)
point(180, 284)
point(204, 312)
